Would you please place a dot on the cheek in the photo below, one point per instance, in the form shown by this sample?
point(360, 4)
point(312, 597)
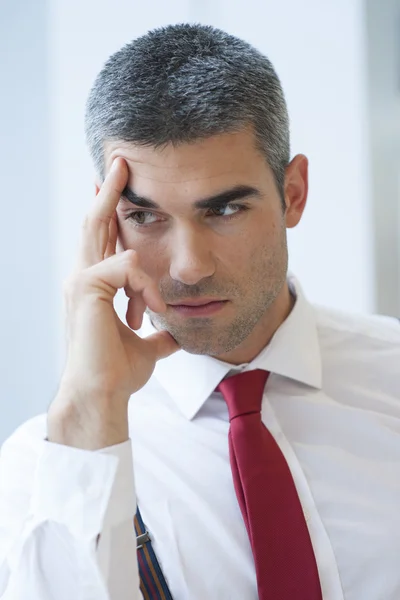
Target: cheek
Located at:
point(259, 245)
point(131, 239)
point(247, 241)
point(152, 250)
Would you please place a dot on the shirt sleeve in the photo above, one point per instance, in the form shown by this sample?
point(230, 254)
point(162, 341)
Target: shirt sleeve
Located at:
point(66, 520)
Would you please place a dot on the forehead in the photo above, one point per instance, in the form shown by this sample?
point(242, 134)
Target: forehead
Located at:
point(225, 156)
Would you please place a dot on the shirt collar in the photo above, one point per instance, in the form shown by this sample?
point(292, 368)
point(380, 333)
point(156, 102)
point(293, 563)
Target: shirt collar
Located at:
point(293, 352)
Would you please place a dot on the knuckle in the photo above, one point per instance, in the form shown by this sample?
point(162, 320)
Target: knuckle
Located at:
point(94, 219)
point(101, 220)
point(131, 257)
point(115, 190)
point(98, 219)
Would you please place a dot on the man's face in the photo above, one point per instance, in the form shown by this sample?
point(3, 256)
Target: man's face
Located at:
point(232, 248)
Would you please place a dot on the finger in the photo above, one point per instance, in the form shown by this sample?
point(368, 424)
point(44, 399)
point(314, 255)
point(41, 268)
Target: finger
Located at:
point(161, 344)
point(122, 271)
point(96, 227)
point(140, 282)
point(147, 294)
point(111, 190)
point(111, 247)
point(135, 311)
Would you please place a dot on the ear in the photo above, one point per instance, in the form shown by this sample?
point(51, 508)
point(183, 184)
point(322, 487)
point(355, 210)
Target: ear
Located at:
point(296, 189)
point(97, 185)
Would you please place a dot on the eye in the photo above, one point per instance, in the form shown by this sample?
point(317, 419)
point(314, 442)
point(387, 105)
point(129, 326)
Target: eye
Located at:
point(233, 210)
point(142, 218)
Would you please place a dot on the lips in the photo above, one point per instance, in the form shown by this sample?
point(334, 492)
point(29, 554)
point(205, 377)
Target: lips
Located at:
point(195, 303)
point(199, 310)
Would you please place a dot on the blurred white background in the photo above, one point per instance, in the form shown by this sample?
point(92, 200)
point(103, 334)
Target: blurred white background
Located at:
point(339, 61)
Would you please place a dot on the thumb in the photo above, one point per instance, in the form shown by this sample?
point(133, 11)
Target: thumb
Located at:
point(161, 344)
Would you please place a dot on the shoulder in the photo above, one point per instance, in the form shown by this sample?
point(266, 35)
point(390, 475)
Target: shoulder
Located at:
point(360, 356)
point(358, 329)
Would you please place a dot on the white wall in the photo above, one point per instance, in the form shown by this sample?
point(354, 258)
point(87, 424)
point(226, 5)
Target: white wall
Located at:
point(27, 316)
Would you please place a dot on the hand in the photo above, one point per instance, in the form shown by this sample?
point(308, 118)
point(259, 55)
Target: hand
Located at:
point(106, 361)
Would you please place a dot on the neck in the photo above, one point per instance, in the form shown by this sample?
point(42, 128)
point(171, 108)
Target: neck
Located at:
point(263, 331)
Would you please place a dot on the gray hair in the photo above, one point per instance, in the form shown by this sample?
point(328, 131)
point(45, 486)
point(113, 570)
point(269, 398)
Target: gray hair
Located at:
point(185, 82)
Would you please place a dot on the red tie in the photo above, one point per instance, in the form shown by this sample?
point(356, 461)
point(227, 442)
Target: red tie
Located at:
point(284, 558)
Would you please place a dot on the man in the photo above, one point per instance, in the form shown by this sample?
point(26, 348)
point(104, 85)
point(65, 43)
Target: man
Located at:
point(258, 435)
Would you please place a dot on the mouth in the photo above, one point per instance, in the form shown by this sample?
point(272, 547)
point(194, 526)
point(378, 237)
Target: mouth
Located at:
point(199, 308)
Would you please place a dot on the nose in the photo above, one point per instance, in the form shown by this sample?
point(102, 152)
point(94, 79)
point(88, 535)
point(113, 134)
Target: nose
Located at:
point(192, 258)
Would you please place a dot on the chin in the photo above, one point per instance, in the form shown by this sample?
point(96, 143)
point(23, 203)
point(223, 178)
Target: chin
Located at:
point(205, 337)
point(194, 345)
point(202, 343)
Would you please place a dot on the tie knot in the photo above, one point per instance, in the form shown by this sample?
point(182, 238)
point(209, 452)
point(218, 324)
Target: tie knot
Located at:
point(243, 392)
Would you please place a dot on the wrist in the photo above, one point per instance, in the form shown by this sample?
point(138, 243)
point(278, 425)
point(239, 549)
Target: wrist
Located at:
point(89, 425)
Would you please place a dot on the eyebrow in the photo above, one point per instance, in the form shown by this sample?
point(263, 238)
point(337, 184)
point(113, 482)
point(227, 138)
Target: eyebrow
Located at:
point(226, 197)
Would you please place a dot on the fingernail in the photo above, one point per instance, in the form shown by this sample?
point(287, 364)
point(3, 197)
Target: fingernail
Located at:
point(114, 166)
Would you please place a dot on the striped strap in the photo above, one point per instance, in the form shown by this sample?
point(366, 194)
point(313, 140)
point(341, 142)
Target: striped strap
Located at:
point(152, 581)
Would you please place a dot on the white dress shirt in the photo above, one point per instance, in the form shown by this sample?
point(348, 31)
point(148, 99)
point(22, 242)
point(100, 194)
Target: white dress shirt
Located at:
point(332, 403)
